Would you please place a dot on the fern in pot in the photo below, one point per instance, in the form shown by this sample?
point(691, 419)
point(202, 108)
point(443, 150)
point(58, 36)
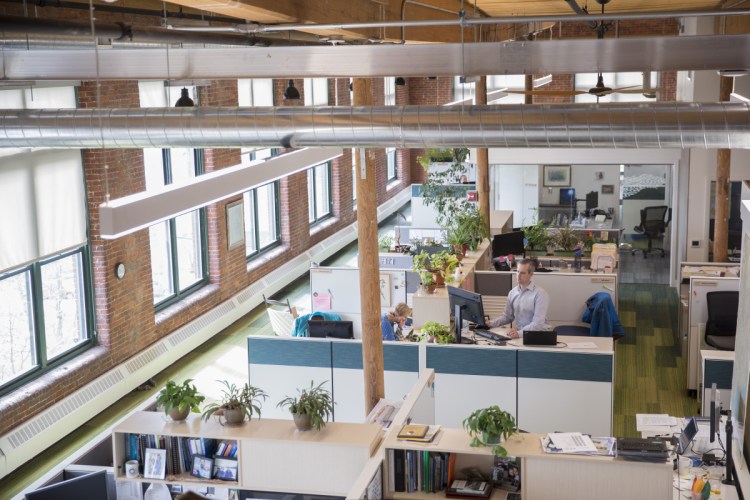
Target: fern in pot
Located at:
point(310, 408)
point(237, 402)
point(179, 400)
point(489, 427)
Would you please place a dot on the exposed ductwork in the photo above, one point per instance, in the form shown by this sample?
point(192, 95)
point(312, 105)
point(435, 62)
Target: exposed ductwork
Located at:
point(657, 125)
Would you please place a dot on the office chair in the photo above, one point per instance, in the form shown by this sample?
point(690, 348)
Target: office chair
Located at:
point(601, 315)
point(721, 327)
point(654, 222)
point(281, 315)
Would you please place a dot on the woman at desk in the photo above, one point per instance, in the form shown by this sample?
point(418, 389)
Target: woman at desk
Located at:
point(398, 315)
point(527, 303)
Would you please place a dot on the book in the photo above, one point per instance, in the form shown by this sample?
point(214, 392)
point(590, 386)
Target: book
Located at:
point(413, 431)
point(469, 489)
point(432, 430)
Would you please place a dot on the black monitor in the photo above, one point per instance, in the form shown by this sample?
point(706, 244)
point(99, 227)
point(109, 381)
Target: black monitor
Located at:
point(91, 487)
point(567, 196)
point(508, 244)
point(687, 435)
point(335, 329)
point(467, 306)
point(714, 413)
point(592, 200)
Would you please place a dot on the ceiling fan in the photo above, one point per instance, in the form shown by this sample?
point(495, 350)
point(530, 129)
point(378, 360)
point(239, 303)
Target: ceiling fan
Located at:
point(599, 90)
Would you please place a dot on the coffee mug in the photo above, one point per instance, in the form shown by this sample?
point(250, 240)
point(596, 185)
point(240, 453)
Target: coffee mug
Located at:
point(131, 468)
point(684, 467)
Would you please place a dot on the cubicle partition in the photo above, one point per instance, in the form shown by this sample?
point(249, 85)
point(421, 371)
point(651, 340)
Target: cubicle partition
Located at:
point(716, 368)
point(545, 388)
point(698, 315)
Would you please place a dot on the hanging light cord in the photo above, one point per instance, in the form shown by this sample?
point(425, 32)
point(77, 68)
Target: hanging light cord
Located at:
point(99, 98)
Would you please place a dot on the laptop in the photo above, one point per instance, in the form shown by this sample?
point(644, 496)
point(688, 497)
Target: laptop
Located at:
point(539, 337)
point(687, 435)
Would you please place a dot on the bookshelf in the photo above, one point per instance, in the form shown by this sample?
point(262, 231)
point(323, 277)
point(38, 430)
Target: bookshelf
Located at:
point(272, 455)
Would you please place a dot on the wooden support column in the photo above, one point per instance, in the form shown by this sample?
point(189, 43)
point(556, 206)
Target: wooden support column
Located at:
point(528, 85)
point(369, 277)
point(483, 162)
point(721, 210)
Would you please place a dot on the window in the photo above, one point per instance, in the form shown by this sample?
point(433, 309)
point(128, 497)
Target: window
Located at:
point(45, 299)
point(319, 192)
point(389, 85)
point(585, 81)
point(390, 158)
point(255, 92)
point(179, 255)
point(316, 91)
point(262, 222)
point(495, 83)
point(354, 176)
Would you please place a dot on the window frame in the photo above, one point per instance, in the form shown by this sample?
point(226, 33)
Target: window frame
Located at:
point(179, 294)
point(277, 220)
point(312, 197)
point(391, 165)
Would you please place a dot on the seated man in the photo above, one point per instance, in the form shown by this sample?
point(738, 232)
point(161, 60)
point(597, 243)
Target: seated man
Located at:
point(527, 304)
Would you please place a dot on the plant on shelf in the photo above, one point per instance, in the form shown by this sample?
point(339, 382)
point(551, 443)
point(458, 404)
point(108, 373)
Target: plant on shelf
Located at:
point(489, 427)
point(565, 239)
point(179, 400)
point(385, 242)
point(236, 403)
point(311, 408)
point(421, 265)
point(441, 333)
point(443, 264)
point(536, 236)
point(472, 224)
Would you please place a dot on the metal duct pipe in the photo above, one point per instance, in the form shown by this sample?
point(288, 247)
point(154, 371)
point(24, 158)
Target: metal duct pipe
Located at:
point(622, 125)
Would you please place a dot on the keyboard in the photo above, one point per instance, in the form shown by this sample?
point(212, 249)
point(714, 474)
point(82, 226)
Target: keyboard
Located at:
point(641, 445)
point(486, 334)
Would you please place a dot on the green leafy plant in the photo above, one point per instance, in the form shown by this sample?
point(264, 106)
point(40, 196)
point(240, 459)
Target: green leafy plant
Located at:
point(421, 265)
point(315, 402)
point(470, 224)
point(442, 333)
point(432, 155)
point(438, 189)
point(247, 398)
point(536, 235)
point(181, 396)
point(385, 242)
point(565, 238)
point(487, 426)
point(443, 262)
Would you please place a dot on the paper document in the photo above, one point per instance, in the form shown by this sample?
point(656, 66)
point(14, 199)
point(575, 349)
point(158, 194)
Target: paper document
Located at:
point(654, 420)
point(581, 345)
point(571, 442)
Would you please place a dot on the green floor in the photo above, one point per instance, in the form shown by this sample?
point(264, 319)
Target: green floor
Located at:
point(649, 372)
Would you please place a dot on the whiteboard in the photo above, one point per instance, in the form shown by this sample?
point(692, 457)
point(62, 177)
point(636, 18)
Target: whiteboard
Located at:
point(342, 285)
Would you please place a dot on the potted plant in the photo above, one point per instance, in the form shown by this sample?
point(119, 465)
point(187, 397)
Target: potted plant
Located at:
point(385, 242)
point(421, 265)
point(236, 403)
point(179, 400)
point(441, 333)
point(565, 239)
point(536, 236)
point(489, 427)
point(442, 264)
point(311, 408)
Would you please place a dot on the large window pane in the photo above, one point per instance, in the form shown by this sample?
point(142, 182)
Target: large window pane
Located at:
point(17, 341)
point(182, 164)
point(266, 214)
point(63, 300)
point(161, 261)
point(390, 156)
point(322, 194)
point(311, 195)
point(189, 267)
point(262, 227)
point(251, 242)
point(316, 91)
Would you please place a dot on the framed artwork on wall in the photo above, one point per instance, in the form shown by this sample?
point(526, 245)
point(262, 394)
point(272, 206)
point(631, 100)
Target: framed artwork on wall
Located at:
point(556, 176)
point(608, 189)
point(235, 224)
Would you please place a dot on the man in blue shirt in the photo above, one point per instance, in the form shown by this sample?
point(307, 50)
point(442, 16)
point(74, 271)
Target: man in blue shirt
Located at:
point(527, 304)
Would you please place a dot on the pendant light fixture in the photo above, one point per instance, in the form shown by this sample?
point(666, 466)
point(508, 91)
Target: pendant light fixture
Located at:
point(184, 101)
point(291, 91)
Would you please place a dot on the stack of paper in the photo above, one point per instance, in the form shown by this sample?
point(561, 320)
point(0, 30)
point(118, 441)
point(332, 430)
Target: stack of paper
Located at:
point(652, 424)
point(568, 442)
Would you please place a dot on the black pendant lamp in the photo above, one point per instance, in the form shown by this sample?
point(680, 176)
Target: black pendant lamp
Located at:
point(291, 91)
point(184, 101)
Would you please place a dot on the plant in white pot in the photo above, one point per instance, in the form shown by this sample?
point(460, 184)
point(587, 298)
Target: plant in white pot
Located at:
point(179, 400)
point(489, 427)
point(311, 408)
point(236, 403)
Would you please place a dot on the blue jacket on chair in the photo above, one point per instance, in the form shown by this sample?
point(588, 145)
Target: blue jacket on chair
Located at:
point(602, 316)
point(300, 324)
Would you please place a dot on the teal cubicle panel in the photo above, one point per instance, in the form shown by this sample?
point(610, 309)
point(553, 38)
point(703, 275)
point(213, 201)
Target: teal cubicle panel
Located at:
point(471, 377)
point(718, 372)
point(280, 366)
point(564, 366)
point(401, 371)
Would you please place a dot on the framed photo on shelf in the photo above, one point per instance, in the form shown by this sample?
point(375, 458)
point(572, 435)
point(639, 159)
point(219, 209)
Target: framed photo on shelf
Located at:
point(225, 469)
point(556, 176)
point(202, 467)
point(155, 463)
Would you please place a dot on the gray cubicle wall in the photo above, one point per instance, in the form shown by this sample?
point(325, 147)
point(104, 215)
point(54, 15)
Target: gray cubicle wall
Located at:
point(471, 377)
point(571, 386)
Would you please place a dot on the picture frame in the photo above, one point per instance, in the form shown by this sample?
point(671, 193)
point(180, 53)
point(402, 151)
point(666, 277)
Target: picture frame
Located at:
point(202, 467)
point(385, 290)
point(155, 463)
point(608, 189)
point(556, 176)
point(235, 224)
point(225, 469)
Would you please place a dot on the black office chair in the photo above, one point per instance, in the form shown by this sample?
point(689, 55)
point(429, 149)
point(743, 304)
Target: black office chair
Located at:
point(721, 327)
point(654, 222)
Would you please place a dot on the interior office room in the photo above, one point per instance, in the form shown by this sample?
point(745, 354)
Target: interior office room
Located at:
point(163, 174)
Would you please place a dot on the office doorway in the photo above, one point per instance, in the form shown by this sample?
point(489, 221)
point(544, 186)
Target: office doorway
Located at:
point(643, 186)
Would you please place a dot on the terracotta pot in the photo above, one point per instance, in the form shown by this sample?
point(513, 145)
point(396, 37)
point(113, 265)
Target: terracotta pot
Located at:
point(177, 415)
point(234, 416)
point(429, 288)
point(439, 279)
point(302, 421)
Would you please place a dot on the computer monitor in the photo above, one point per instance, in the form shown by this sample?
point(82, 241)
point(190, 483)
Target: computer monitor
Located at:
point(592, 200)
point(508, 244)
point(467, 306)
point(567, 196)
point(714, 413)
point(687, 435)
point(335, 329)
point(91, 487)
